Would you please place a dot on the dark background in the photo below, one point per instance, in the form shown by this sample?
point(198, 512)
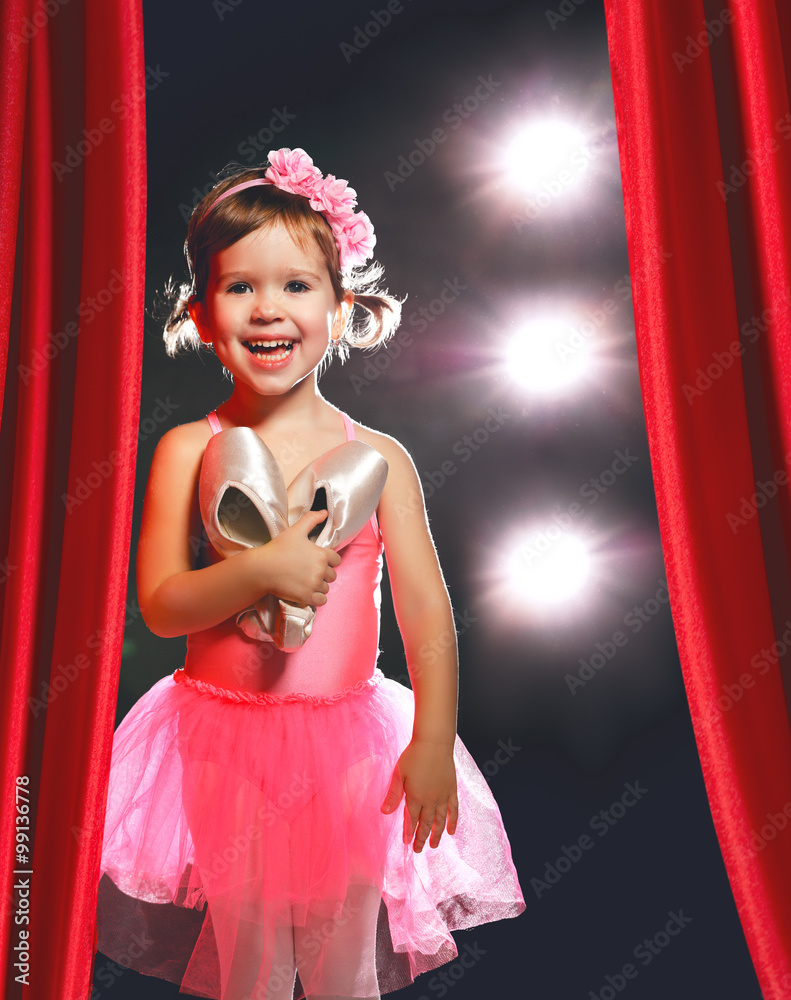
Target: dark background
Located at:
point(220, 73)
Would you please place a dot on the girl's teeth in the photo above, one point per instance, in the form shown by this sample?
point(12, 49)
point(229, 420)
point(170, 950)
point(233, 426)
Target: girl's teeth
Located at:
point(286, 345)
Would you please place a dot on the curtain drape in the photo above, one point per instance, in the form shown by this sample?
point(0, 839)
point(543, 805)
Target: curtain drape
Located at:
point(704, 131)
point(72, 85)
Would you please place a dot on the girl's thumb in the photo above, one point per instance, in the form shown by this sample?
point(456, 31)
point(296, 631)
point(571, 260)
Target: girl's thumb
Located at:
point(311, 518)
point(394, 793)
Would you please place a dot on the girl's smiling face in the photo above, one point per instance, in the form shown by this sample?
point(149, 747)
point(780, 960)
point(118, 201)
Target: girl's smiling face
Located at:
point(269, 309)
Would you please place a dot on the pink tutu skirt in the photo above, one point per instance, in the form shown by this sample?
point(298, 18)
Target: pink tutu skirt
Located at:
point(246, 857)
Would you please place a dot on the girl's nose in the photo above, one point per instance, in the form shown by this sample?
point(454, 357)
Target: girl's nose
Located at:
point(265, 308)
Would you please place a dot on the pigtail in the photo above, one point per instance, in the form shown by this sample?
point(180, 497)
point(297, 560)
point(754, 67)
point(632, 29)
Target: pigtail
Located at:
point(376, 314)
point(179, 331)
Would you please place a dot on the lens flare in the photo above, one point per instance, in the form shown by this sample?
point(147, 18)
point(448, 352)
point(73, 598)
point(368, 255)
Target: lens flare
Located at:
point(546, 155)
point(549, 567)
point(547, 355)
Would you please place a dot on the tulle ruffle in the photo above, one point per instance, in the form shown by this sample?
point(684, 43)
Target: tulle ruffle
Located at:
point(244, 833)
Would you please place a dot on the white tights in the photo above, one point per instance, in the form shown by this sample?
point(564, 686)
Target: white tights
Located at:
point(346, 946)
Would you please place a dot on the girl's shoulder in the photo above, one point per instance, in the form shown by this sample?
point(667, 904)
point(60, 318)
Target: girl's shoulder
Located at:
point(184, 444)
point(388, 447)
point(400, 464)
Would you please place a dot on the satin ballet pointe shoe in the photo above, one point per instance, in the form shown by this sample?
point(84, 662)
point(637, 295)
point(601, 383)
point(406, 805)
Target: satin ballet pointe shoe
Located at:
point(285, 624)
point(347, 482)
point(242, 496)
point(243, 503)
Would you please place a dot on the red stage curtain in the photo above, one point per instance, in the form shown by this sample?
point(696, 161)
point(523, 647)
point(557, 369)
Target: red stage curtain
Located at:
point(71, 315)
point(701, 97)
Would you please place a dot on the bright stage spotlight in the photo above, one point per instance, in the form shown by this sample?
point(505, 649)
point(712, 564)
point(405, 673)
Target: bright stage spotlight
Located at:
point(547, 355)
point(545, 155)
point(548, 567)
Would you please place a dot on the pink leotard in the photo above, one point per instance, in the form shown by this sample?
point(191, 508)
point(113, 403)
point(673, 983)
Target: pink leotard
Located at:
point(342, 649)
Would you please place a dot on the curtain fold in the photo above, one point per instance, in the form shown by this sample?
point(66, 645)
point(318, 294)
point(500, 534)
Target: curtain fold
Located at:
point(72, 322)
point(682, 195)
point(13, 73)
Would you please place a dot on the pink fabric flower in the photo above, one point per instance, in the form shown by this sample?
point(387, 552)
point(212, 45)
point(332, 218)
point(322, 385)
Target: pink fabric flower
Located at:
point(357, 240)
point(333, 196)
point(292, 170)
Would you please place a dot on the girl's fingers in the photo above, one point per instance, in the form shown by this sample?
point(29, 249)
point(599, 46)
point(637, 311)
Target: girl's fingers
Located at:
point(424, 828)
point(438, 828)
point(394, 793)
point(407, 835)
point(453, 815)
point(411, 819)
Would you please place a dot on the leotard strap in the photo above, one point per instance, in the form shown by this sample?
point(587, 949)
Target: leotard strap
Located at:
point(347, 423)
point(214, 422)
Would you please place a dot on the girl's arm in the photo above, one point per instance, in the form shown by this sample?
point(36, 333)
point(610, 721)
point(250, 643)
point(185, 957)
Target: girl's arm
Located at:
point(176, 599)
point(426, 773)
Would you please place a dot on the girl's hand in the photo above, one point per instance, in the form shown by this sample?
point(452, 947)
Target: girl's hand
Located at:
point(426, 774)
point(298, 570)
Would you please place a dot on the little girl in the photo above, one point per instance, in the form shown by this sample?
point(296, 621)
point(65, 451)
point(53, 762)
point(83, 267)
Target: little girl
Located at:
point(268, 810)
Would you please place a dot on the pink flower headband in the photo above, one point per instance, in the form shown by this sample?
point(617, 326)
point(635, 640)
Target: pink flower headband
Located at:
point(292, 170)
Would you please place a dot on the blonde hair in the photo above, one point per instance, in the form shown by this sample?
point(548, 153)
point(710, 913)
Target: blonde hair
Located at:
point(211, 230)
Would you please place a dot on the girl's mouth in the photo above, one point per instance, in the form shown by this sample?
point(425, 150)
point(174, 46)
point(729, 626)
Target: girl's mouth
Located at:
point(270, 351)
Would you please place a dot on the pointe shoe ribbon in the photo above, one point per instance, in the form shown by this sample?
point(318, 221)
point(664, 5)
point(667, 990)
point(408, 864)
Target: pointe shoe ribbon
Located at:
point(244, 502)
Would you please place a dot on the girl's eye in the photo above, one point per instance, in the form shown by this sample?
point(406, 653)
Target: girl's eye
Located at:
point(297, 286)
point(239, 288)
